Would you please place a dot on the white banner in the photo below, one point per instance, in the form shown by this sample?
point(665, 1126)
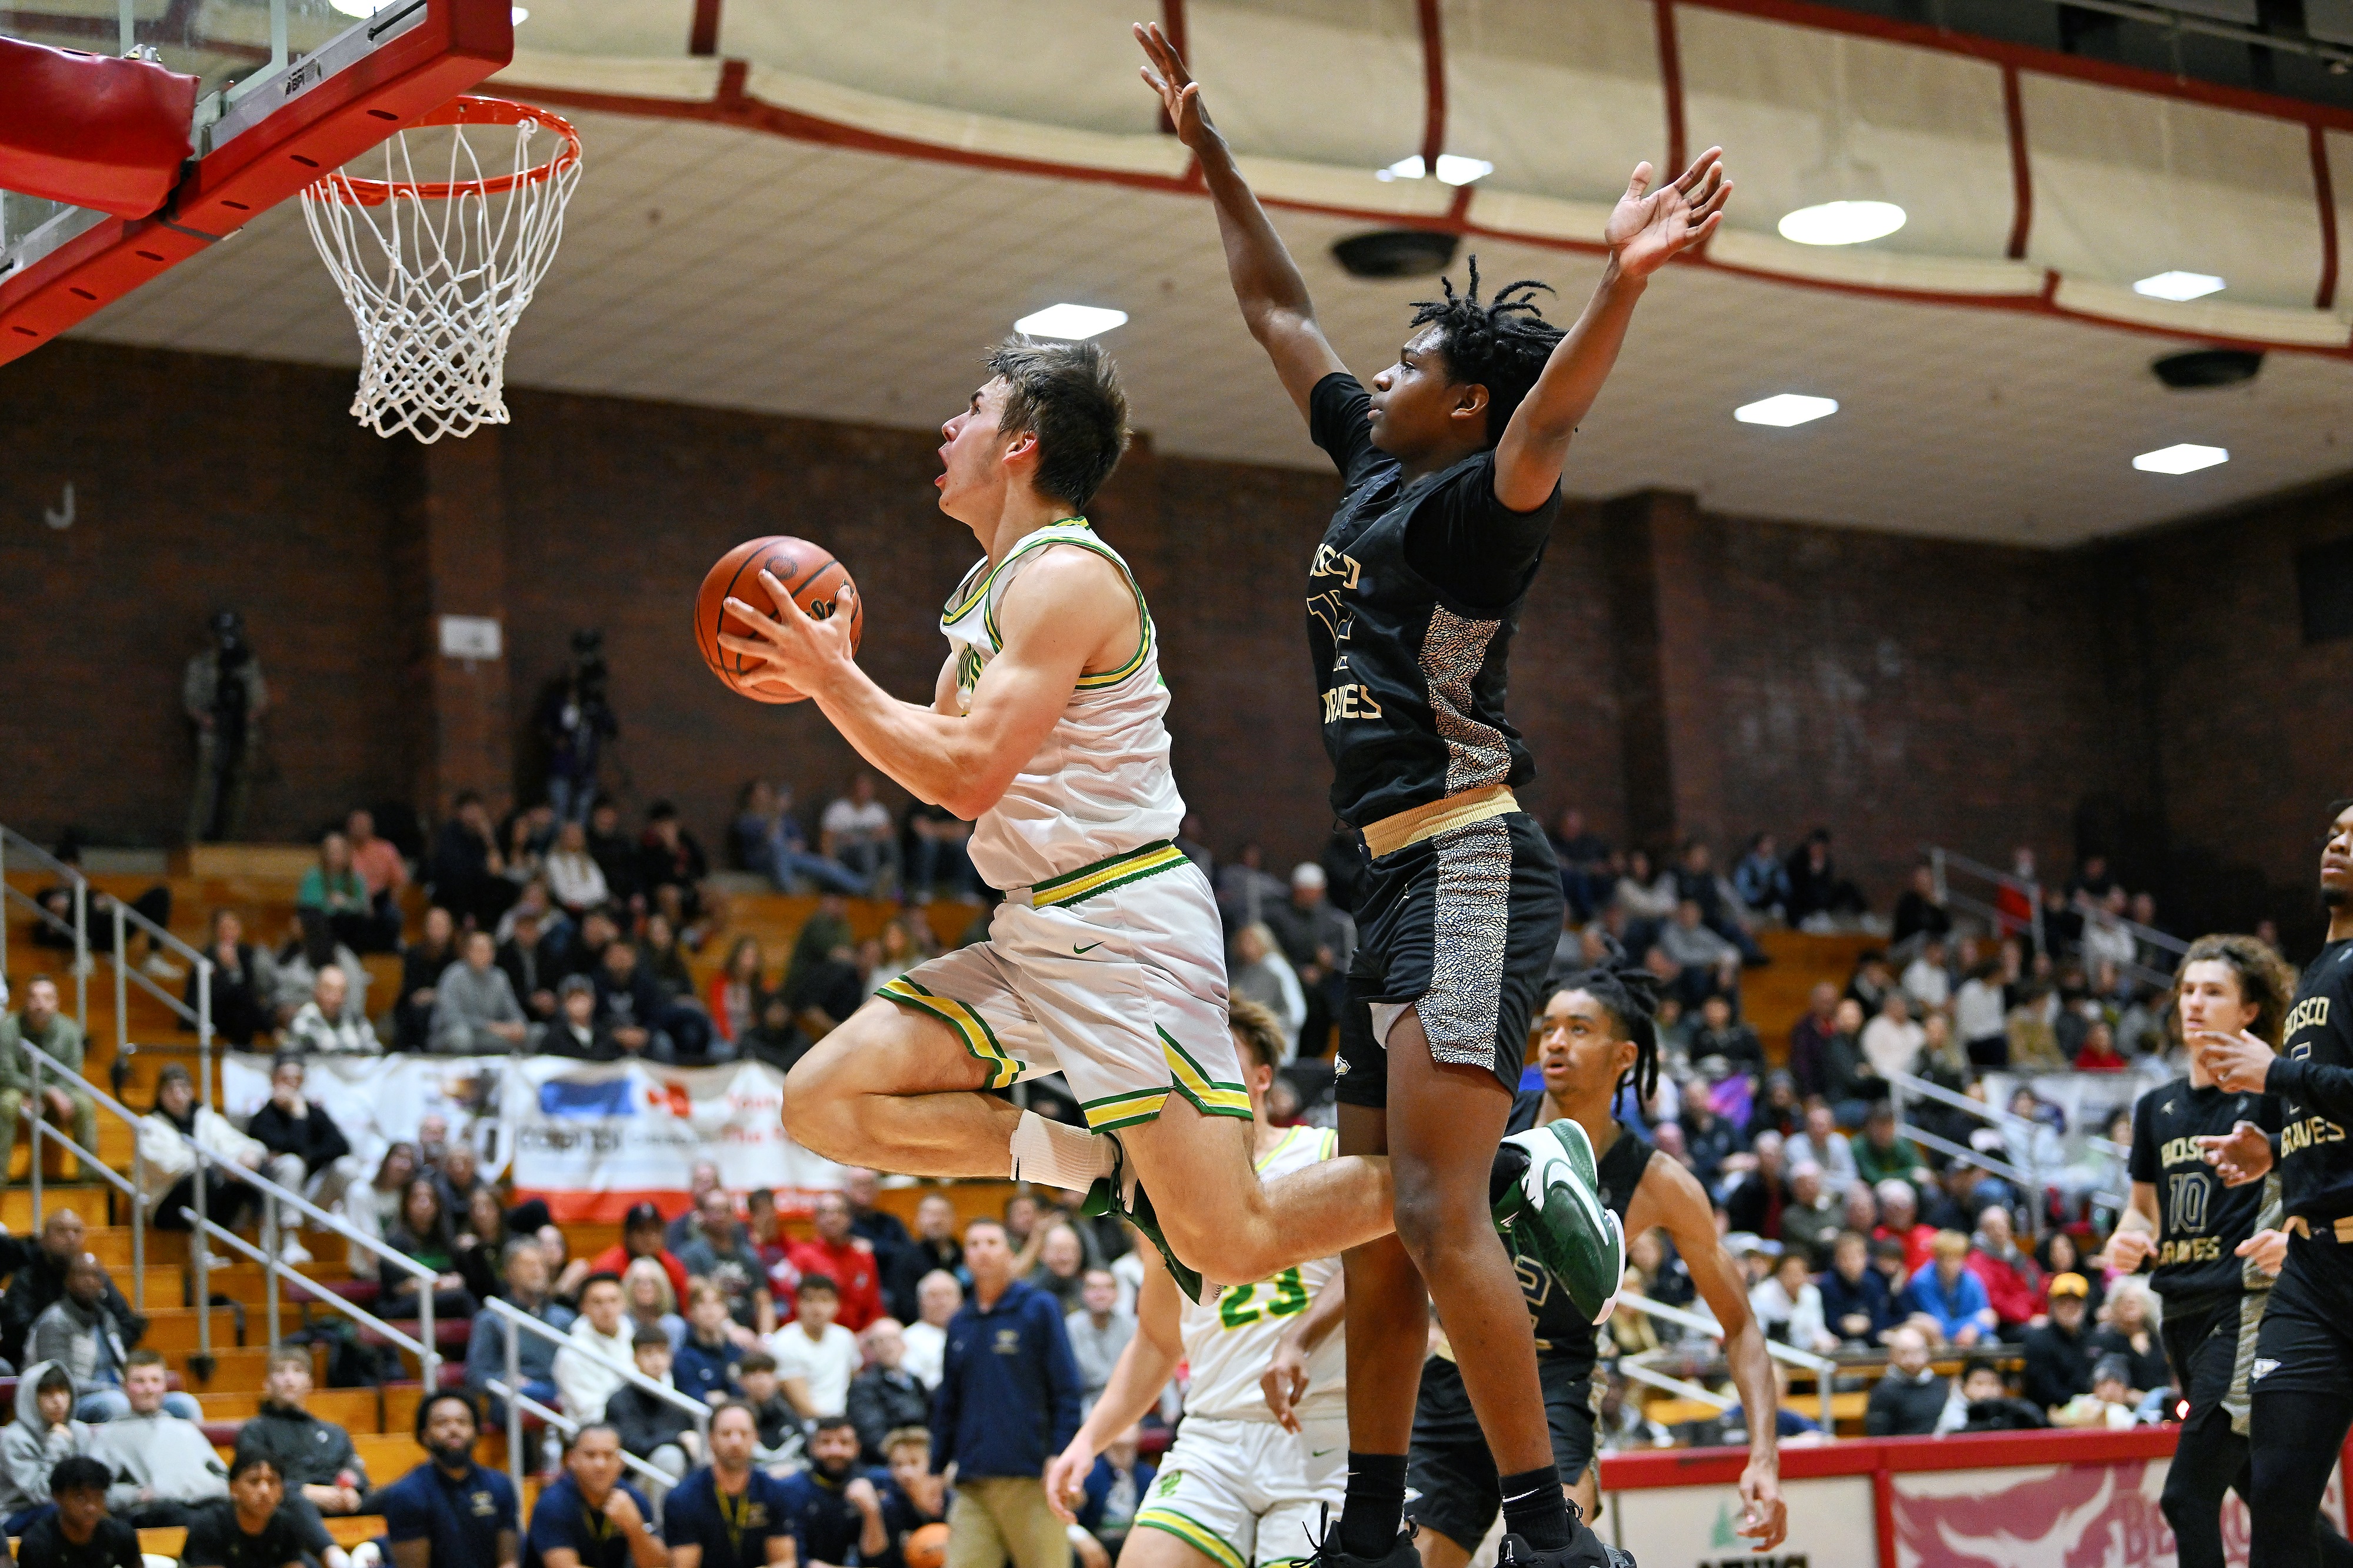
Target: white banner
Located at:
point(1831, 1522)
point(590, 1137)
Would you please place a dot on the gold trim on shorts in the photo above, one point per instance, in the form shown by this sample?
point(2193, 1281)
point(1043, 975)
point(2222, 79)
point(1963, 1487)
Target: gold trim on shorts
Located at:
point(1411, 827)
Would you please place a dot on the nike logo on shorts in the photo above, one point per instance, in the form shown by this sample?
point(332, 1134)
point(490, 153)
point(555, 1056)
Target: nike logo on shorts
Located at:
point(1089, 948)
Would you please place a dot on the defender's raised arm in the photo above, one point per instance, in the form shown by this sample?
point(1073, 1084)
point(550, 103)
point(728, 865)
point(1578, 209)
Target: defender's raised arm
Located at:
point(1267, 284)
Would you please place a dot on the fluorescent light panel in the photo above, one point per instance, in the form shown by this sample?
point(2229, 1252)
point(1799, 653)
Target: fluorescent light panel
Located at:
point(1452, 170)
point(1841, 223)
point(1786, 408)
point(2179, 286)
point(1070, 323)
point(2182, 458)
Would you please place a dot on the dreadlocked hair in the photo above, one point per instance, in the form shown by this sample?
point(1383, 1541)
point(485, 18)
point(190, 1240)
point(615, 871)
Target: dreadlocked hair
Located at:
point(1630, 995)
point(1501, 344)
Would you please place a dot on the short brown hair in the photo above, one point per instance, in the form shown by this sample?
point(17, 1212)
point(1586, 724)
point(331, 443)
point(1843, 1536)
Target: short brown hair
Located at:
point(1068, 396)
point(900, 1438)
point(143, 1358)
point(1257, 1029)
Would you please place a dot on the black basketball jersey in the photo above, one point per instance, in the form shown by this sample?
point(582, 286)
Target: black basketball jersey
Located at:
point(2199, 1222)
point(1562, 1332)
point(1411, 679)
point(2315, 1084)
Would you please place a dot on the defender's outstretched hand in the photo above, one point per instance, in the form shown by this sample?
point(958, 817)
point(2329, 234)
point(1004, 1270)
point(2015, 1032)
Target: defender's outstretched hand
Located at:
point(1649, 227)
point(802, 654)
point(1180, 95)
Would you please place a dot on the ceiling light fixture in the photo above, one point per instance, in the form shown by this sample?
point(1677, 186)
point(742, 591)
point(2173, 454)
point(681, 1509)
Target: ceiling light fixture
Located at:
point(1452, 170)
point(2181, 458)
point(1846, 199)
point(2179, 286)
point(1842, 222)
point(1070, 323)
point(1786, 408)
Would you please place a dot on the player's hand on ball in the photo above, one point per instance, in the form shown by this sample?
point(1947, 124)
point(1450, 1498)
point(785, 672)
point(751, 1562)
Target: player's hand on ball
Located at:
point(1764, 1517)
point(800, 652)
point(2268, 1249)
point(2242, 1155)
point(1649, 227)
point(2127, 1250)
point(1066, 1479)
point(2237, 1063)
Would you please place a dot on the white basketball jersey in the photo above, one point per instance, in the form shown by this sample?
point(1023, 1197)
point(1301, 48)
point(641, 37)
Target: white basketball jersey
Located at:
point(1100, 785)
point(1229, 1345)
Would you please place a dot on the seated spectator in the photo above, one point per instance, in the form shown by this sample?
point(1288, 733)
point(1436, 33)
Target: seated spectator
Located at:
point(576, 1030)
point(843, 1257)
point(837, 1514)
point(1892, 1041)
point(242, 984)
point(309, 947)
point(374, 1207)
point(2099, 1052)
point(422, 964)
point(1881, 1156)
point(79, 1532)
point(575, 880)
point(1115, 1488)
point(1789, 1304)
point(258, 1522)
point(855, 833)
point(1755, 1199)
point(722, 1256)
point(1812, 1217)
point(334, 888)
point(307, 1151)
point(1708, 1139)
point(1908, 1399)
point(42, 1432)
point(588, 1369)
point(1927, 983)
point(467, 872)
point(1823, 1144)
point(1819, 896)
point(163, 1466)
point(768, 838)
point(776, 1407)
point(475, 1012)
point(1899, 1223)
point(57, 903)
point(1643, 894)
point(630, 1002)
point(2060, 1354)
point(323, 1027)
point(169, 1164)
point(775, 1040)
point(707, 1357)
point(915, 1497)
point(1947, 1300)
point(816, 1351)
point(1855, 1304)
point(1062, 1265)
point(933, 1246)
point(65, 1097)
point(486, 1346)
point(701, 1178)
point(641, 1236)
point(1099, 1330)
point(314, 1459)
point(2111, 1402)
point(872, 1224)
point(479, 1242)
point(1760, 881)
point(2009, 1272)
point(731, 1514)
point(2127, 1333)
point(450, 1509)
point(1261, 973)
point(591, 1514)
point(939, 863)
point(1699, 952)
point(423, 1235)
point(533, 960)
point(383, 872)
point(652, 1427)
point(1858, 1211)
point(1921, 916)
point(738, 989)
point(938, 1297)
point(670, 865)
point(651, 1303)
point(1721, 1034)
point(1855, 1084)
point(886, 1396)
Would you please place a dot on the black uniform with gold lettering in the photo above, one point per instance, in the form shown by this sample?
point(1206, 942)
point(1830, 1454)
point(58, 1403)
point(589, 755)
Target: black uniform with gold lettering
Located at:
point(1450, 1481)
point(1412, 600)
point(2213, 1298)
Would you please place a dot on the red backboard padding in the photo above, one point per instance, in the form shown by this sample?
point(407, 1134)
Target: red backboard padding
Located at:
point(90, 130)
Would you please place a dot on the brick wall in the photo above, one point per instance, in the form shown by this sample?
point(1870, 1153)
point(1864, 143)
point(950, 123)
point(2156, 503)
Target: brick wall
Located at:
point(1678, 671)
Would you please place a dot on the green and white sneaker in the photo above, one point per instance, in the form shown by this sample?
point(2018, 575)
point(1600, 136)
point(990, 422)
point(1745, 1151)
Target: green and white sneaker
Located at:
point(1553, 1215)
point(1122, 1194)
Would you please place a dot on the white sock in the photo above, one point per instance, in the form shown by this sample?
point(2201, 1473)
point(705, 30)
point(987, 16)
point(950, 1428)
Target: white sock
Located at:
point(1059, 1156)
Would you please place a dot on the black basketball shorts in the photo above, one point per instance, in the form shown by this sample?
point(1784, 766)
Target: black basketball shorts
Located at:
point(1451, 1484)
point(1462, 928)
point(2211, 1345)
point(2305, 1345)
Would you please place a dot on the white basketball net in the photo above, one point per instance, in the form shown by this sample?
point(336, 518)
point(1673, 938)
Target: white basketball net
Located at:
point(438, 270)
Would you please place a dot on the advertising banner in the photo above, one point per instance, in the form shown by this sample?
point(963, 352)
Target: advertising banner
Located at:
point(1693, 1527)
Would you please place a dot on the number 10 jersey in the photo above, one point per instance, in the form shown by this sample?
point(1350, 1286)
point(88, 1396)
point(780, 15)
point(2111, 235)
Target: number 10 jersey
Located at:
point(1228, 1345)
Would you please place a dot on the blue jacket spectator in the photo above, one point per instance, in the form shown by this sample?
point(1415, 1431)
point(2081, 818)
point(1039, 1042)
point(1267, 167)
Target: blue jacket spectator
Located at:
point(1945, 1291)
point(1855, 1304)
point(1009, 1387)
point(702, 1370)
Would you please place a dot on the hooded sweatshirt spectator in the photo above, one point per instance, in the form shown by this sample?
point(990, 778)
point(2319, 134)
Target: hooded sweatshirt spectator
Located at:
point(32, 1444)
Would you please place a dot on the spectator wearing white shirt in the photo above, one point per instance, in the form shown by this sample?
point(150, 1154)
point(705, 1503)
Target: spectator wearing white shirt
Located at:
point(1925, 978)
point(1789, 1304)
point(855, 832)
point(814, 1349)
point(937, 1297)
point(588, 1370)
point(2106, 940)
point(1893, 1041)
point(575, 880)
point(1821, 1145)
point(1979, 1017)
point(1262, 975)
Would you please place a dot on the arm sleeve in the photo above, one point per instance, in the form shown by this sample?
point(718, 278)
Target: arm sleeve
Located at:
point(2328, 1089)
point(1336, 422)
point(2143, 1166)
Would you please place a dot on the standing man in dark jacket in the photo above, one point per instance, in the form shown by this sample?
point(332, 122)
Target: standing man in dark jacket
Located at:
point(1008, 1401)
point(315, 1458)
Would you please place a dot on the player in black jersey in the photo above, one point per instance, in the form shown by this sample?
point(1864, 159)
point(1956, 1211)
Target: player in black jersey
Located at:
point(1596, 1036)
point(2216, 1248)
point(2303, 1371)
point(1452, 463)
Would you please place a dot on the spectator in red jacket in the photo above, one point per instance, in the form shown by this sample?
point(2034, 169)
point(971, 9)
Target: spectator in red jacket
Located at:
point(1899, 1220)
point(2099, 1052)
point(641, 1236)
point(845, 1260)
point(2012, 1281)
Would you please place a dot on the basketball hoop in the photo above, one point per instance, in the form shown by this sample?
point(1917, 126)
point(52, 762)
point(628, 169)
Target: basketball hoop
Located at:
point(437, 272)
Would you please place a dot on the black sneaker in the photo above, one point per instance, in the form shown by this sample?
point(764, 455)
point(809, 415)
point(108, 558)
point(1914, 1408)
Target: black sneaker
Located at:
point(1329, 1555)
point(1585, 1550)
point(1122, 1194)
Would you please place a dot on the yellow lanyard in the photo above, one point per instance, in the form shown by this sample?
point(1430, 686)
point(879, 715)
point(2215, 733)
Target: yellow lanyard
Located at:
point(735, 1513)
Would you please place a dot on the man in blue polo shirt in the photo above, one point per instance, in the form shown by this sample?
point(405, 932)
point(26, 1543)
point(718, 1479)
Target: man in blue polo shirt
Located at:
point(590, 1518)
point(449, 1512)
point(728, 1514)
point(835, 1512)
point(1008, 1402)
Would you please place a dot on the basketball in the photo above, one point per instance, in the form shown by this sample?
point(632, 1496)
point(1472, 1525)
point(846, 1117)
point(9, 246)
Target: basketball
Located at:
point(926, 1547)
point(808, 572)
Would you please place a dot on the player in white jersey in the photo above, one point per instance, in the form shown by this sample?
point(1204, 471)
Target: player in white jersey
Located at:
point(1105, 960)
point(1263, 1451)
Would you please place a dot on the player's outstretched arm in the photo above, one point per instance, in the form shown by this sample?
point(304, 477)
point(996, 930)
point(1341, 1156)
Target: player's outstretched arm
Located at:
point(1672, 1197)
point(1064, 607)
point(1646, 230)
point(1137, 1378)
point(1267, 283)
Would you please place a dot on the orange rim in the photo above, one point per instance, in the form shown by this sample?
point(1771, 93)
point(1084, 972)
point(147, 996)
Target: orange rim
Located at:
point(464, 111)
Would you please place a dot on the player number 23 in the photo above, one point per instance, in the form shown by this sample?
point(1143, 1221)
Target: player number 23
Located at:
point(1285, 1297)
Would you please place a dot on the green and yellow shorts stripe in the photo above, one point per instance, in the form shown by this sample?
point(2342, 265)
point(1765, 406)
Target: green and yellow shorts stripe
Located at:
point(1072, 887)
point(978, 1036)
point(1209, 1097)
point(1192, 1532)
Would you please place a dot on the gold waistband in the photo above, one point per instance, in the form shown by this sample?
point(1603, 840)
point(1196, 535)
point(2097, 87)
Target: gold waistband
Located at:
point(2342, 1227)
point(1391, 834)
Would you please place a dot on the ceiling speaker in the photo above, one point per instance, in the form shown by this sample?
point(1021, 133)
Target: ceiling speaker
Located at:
point(2208, 367)
point(1397, 252)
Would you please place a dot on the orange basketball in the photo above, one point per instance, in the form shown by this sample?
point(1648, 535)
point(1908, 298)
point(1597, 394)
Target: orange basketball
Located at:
point(926, 1547)
point(808, 572)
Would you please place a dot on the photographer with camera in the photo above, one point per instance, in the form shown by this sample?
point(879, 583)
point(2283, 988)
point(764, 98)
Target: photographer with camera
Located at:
point(577, 721)
point(224, 698)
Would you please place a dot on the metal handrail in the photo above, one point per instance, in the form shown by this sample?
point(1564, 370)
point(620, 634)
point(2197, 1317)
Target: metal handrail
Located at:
point(2027, 1178)
point(1638, 1367)
point(517, 1322)
point(1822, 1367)
point(349, 1308)
point(90, 1160)
point(520, 1404)
point(1942, 860)
point(79, 928)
